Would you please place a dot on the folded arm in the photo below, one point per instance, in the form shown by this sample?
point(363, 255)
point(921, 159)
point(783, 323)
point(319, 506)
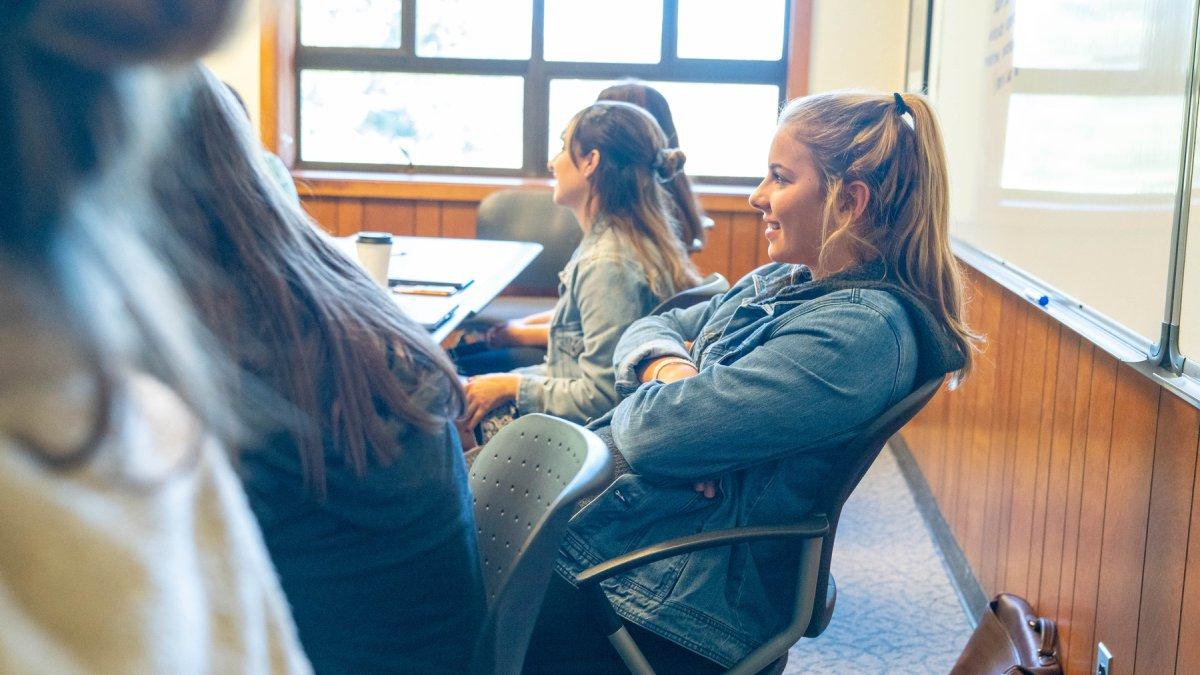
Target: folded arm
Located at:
point(666, 335)
point(803, 388)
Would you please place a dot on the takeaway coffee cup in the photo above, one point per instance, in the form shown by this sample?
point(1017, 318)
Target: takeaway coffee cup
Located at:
point(374, 253)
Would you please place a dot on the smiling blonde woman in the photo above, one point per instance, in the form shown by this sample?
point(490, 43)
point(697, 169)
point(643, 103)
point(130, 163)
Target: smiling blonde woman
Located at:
point(734, 412)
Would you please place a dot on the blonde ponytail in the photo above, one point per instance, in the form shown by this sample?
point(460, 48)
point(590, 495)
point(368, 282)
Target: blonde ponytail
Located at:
point(893, 144)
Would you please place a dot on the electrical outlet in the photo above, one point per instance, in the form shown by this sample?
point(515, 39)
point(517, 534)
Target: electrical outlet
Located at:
point(1104, 660)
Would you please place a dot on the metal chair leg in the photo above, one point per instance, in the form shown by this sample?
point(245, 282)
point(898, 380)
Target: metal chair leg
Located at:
point(634, 660)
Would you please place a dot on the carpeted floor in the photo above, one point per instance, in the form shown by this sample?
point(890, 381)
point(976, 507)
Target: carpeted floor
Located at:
point(896, 609)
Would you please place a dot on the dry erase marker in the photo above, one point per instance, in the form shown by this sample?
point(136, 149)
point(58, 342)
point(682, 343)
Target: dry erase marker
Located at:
point(1036, 297)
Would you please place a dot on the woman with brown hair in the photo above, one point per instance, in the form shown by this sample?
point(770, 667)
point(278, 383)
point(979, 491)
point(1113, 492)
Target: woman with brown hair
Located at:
point(360, 487)
point(126, 544)
point(735, 412)
point(610, 173)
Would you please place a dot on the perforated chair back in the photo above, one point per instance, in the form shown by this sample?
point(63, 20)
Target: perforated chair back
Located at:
point(525, 483)
point(711, 285)
point(531, 215)
point(859, 454)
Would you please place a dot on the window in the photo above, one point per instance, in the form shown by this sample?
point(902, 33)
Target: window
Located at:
point(486, 86)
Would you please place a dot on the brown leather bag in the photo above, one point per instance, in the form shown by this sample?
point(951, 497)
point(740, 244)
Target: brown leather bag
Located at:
point(1010, 639)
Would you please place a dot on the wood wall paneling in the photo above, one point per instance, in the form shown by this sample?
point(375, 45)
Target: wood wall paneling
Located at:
point(1026, 454)
point(458, 220)
point(715, 256)
point(325, 212)
point(1037, 520)
point(1188, 659)
point(1012, 331)
point(746, 229)
point(349, 216)
point(396, 217)
point(734, 247)
point(1074, 495)
point(986, 314)
point(1073, 480)
point(1162, 583)
point(1127, 503)
point(1080, 626)
point(1058, 474)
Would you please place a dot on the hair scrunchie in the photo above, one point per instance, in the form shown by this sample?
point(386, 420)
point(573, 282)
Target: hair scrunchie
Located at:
point(668, 162)
point(901, 107)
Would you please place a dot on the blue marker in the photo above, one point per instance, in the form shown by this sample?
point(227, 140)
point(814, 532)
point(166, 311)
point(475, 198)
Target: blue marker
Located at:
point(1039, 299)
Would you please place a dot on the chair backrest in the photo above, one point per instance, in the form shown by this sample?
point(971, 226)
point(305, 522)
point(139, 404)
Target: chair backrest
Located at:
point(525, 483)
point(713, 284)
point(859, 454)
point(531, 215)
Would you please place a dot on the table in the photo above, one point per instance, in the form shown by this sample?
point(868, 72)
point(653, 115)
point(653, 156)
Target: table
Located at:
point(494, 264)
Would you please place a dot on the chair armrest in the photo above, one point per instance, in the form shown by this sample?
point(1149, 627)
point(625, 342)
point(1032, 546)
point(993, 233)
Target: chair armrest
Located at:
point(810, 528)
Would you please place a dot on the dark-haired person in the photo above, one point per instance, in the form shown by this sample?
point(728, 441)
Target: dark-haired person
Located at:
point(688, 215)
point(736, 411)
point(126, 544)
point(610, 172)
point(362, 493)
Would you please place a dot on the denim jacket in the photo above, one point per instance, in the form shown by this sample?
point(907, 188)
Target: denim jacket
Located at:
point(602, 290)
point(789, 371)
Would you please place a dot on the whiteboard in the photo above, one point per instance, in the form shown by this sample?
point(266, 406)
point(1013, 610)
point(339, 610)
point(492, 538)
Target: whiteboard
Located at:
point(1189, 321)
point(1063, 123)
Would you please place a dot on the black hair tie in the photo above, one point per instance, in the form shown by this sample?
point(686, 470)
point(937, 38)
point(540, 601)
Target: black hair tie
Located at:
point(901, 107)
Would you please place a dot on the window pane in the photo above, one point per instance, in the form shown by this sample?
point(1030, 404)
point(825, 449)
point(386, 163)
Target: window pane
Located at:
point(613, 31)
point(1092, 144)
point(1074, 35)
point(718, 29)
point(724, 129)
point(475, 29)
point(350, 23)
point(375, 118)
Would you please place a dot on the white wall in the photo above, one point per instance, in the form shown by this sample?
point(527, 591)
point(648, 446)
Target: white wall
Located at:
point(236, 59)
point(858, 44)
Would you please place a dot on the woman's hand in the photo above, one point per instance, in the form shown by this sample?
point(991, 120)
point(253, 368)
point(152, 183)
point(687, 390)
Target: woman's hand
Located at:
point(708, 488)
point(667, 369)
point(485, 392)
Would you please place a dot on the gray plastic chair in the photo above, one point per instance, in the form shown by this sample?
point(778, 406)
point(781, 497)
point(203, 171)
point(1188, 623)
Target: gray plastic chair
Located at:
point(816, 593)
point(711, 285)
point(528, 215)
point(525, 483)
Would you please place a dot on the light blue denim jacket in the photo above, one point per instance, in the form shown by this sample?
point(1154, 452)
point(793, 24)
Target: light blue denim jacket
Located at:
point(602, 290)
point(784, 382)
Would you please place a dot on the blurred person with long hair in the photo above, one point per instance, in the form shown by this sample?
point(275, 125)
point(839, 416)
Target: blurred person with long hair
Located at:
point(360, 486)
point(126, 542)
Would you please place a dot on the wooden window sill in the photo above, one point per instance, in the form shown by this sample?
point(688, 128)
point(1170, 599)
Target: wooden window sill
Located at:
point(451, 188)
